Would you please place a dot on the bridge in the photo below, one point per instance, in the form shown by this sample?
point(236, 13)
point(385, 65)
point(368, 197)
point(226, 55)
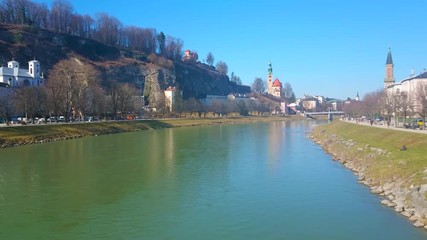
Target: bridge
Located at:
point(330, 114)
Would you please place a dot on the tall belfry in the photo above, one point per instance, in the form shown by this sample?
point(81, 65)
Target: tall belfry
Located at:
point(270, 79)
point(389, 71)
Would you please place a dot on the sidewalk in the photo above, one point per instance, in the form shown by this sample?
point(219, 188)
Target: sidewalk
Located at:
point(386, 127)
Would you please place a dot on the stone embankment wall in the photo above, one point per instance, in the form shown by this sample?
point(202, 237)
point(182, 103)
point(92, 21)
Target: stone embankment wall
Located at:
point(405, 198)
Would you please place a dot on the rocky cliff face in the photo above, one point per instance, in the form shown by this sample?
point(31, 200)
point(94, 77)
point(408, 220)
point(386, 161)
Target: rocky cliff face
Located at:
point(198, 80)
point(149, 74)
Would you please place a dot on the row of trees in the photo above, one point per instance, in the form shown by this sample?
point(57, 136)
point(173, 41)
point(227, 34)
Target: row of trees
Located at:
point(241, 107)
point(73, 90)
point(401, 105)
point(104, 28)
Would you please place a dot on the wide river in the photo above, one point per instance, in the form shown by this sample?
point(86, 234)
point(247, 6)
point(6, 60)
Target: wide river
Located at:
point(246, 181)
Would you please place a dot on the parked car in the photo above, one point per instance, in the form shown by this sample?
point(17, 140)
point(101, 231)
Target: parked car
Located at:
point(419, 122)
point(51, 119)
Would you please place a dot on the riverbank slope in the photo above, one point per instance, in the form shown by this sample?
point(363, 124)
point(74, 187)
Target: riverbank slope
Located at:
point(35, 134)
point(377, 157)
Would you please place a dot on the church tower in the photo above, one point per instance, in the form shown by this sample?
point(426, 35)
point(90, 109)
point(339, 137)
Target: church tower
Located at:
point(270, 79)
point(389, 71)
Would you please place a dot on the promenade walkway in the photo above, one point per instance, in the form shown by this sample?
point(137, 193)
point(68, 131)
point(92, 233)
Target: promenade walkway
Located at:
point(391, 127)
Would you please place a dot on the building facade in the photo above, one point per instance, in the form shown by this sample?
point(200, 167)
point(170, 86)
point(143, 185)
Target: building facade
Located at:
point(276, 88)
point(14, 76)
point(408, 87)
point(170, 97)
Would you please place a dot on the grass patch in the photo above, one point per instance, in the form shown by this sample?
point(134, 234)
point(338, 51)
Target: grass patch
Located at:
point(21, 135)
point(394, 163)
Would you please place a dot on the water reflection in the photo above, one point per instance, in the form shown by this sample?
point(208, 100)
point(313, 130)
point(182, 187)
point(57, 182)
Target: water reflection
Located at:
point(215, 182)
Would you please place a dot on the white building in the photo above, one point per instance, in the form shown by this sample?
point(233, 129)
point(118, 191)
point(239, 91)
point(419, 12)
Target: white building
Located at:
point(170, 97)
point(14, 76)
point(407, 87)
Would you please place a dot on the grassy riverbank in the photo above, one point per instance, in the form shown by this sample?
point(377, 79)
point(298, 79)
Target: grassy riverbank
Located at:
point(393, 162)
point(32, 134)
point(375, 155)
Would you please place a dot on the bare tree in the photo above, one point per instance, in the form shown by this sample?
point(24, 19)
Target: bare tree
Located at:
point(143, 39)
point(258, 85)
point(96, 101)
point(404, 105)
point(29, 101)
point(173, 48)
point(15, 11)
point(68, 87)
point(161, 41)
point(420, 98)
point(84, 87)
point(387, 104)
point(38, 15)
point(353, 109)
point(107, 29)
point(210, 59)
point(222, 67)
point(6, 108)
point(288, 93)
point(60, 16)
point(125, 98)
point(371, 103)
point(122, 98)
point(235, 79)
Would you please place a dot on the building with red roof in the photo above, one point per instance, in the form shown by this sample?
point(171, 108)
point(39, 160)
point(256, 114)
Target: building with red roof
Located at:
point(276, 88)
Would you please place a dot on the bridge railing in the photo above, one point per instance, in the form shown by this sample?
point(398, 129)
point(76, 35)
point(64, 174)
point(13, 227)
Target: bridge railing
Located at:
point(324, 113)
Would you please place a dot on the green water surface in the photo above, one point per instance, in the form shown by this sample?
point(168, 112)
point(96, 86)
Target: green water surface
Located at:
point(246, 181)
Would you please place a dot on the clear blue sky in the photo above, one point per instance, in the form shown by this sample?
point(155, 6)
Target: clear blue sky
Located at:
point(333, 48)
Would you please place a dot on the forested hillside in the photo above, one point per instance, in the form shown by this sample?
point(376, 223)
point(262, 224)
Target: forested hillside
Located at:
point(139, 61)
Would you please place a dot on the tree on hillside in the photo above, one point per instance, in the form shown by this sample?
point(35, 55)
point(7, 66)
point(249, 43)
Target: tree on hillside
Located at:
point(60, 15)
point(210, 59)
point(107, 29)
point(222, 67)
point(288, 93)
point(15, 11)
point(161, 40)
point(173, 48)
point(138, 39)
point(235, 79)
point(258, 85)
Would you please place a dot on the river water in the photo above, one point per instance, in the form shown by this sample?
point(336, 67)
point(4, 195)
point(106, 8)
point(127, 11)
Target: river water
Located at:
point(246, 181)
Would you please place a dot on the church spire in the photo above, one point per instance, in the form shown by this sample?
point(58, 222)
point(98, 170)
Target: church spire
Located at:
point(389, 58)
point(270, 69)
point(389, 71)
point(270, 79)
